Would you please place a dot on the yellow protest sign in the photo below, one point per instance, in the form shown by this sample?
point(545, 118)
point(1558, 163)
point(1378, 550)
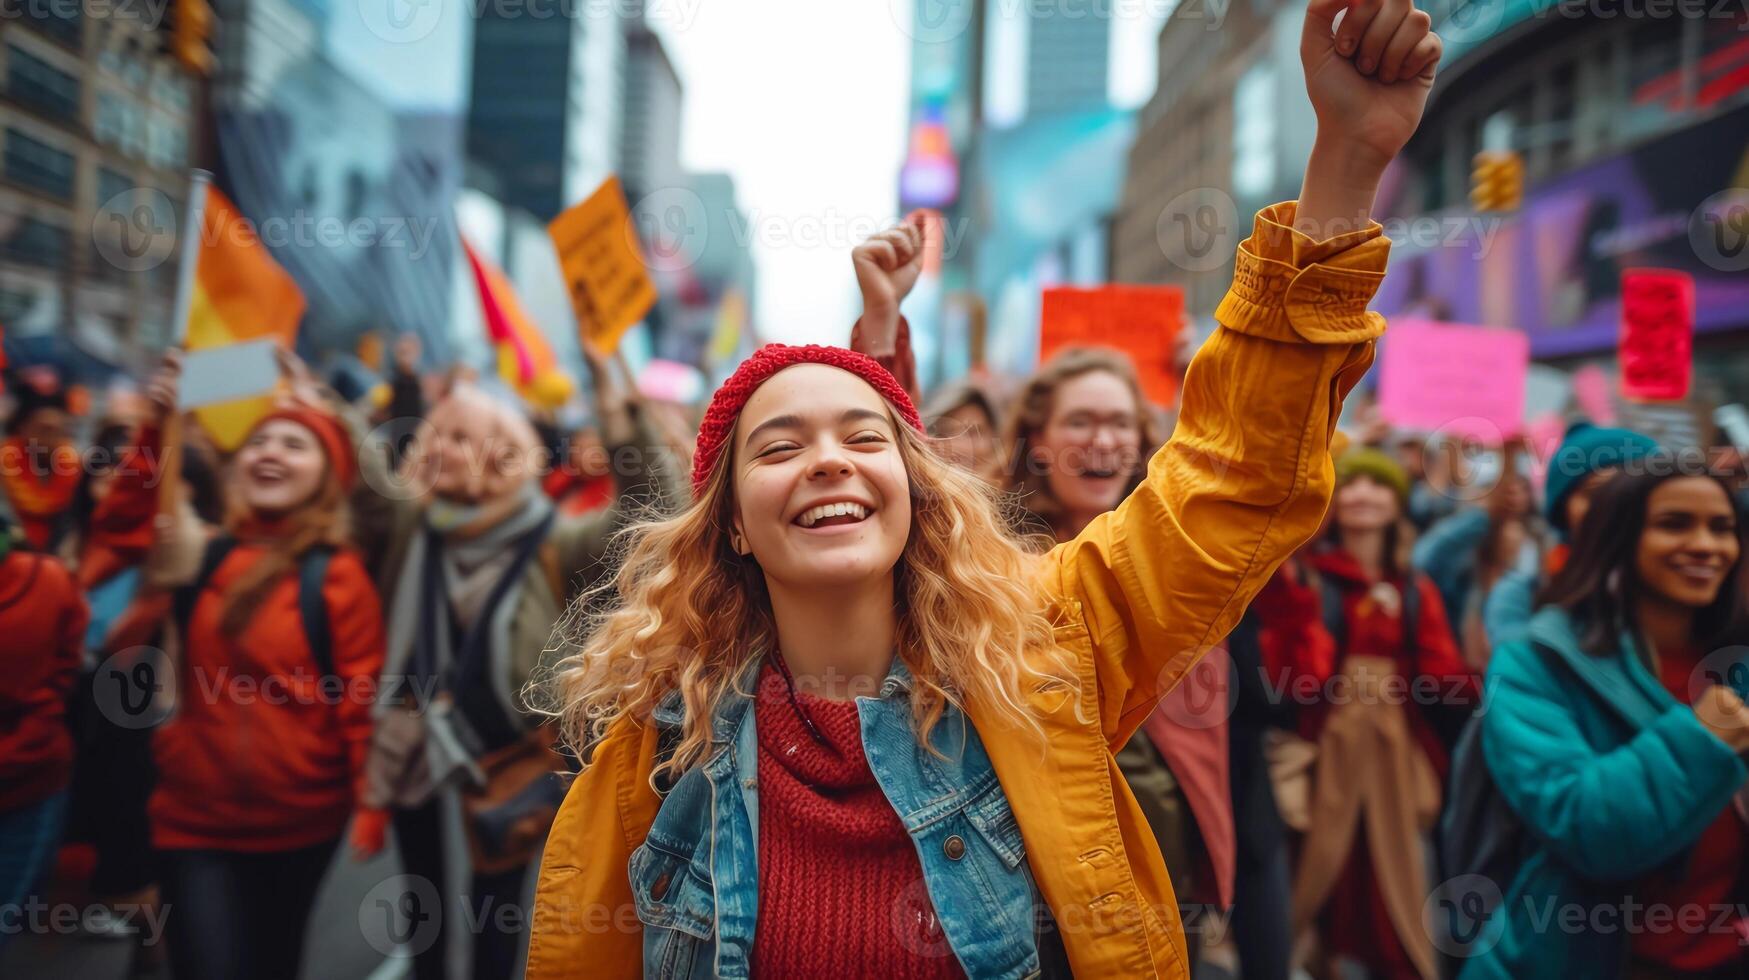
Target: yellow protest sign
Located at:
point(598, 252)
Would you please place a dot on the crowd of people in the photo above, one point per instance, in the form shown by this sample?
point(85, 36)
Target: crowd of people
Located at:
point(814, 683)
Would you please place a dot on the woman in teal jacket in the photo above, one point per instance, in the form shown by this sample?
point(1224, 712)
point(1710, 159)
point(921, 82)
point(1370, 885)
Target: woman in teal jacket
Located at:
point(1634, 852)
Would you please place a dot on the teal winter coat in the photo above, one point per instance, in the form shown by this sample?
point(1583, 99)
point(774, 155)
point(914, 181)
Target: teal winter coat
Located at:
point(1613, 779)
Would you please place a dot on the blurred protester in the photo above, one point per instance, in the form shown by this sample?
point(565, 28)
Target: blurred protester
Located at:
point(478, 570)
point(1468, 552)
point(1282, 627)
point(281, 640)
point(1614, 731)
point(963, 420)
point(41, 468)
point(582, 481)
point(1586, 458)
point(1378, 725)
point(1079, 438)
point(42, 629)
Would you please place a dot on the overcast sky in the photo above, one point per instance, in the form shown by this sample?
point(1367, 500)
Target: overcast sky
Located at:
point(802, 101)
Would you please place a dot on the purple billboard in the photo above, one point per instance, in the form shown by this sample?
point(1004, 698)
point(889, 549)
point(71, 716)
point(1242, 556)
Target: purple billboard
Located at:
point(1553, 269)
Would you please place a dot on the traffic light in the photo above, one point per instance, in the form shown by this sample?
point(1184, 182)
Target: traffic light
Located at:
point(1497, 181)
point(190, 28)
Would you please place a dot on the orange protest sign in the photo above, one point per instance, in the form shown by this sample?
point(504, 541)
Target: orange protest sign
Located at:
point(598, 252)
point(1141, 321)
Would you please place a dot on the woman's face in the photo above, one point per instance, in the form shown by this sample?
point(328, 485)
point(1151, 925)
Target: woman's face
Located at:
point(1690, 542)
point(968, 438)
point(1091, 443)
point(280, 468)
point(1365, 504)
point(821, 494)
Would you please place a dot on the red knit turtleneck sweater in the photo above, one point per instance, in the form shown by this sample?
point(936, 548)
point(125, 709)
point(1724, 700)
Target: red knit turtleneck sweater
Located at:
point(841, 890)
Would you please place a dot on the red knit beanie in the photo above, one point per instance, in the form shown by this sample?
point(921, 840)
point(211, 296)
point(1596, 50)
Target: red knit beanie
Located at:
point(726, 404)
point(336, 443)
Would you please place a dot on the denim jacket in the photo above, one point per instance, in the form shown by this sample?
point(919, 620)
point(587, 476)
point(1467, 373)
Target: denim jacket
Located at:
point(695, 880)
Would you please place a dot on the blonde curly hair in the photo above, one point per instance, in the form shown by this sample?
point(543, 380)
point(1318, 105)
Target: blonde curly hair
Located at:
point(691, 614)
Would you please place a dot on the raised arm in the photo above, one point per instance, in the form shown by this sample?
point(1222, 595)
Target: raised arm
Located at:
point(646, 478)
point(1247, 476)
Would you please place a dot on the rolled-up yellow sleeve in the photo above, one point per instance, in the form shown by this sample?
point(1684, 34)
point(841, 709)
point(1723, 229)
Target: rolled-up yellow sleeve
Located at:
point(1246, 476)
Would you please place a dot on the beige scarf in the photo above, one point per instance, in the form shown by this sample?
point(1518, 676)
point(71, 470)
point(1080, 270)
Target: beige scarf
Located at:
point(1370, 767)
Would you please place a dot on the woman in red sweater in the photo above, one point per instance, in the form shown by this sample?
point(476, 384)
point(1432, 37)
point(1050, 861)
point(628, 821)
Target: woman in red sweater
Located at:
point(1375, 710)
point(261, 765)
point(42, 623)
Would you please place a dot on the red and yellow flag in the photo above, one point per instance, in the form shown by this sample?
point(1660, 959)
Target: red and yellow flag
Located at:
point(525, 360)
point(239, 294)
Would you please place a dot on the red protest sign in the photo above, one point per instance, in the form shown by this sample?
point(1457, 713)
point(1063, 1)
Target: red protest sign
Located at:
point(1141, 321)
point(1657, 334)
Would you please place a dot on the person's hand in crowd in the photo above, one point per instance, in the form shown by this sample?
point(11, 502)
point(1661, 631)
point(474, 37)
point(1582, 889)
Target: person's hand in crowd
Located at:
point(164, 387)
point(887, 266)
point(613, 399)
point(1368, 78)
point(407, 352)
point(1723, 713)
point(369, 833)
point(301, 385)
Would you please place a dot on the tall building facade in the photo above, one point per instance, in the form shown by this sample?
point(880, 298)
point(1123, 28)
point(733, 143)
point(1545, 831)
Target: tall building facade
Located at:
point(545, 111)
point(1014, 139)
point(1068, 51)
point(1226, 132)
point(1634, 132)
point(97, 126)
point(650, 154)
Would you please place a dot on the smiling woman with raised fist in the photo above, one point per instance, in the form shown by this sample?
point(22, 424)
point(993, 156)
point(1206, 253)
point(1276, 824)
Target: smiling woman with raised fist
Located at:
point(837, 721)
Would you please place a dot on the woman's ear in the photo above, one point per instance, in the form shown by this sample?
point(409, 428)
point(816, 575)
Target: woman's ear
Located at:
point(738, 540)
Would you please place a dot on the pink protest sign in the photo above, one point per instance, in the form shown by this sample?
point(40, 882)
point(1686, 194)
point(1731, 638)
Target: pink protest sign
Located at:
point(1459, 380)
point(1591, 389)
point(1657, 334)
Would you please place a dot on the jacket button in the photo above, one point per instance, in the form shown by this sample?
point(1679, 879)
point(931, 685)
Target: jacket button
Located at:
point(660, 888)
point(954, 847)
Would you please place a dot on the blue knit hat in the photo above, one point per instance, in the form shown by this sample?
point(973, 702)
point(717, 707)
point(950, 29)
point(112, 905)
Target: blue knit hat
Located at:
point(1583, 451)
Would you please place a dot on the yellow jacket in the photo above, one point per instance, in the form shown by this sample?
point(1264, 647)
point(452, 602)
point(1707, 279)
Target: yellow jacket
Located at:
point(1138, 597)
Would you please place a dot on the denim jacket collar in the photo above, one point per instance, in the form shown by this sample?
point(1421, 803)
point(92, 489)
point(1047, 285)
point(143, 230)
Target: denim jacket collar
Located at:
point(670, 712)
